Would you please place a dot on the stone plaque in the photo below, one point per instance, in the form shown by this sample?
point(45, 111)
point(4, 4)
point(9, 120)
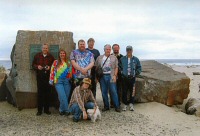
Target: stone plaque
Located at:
point(35, 48)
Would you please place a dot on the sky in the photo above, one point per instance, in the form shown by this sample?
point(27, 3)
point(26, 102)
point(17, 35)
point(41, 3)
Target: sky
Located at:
point(157, 29)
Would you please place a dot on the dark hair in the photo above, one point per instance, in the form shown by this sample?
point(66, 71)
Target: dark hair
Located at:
point(115, 45)
point(81, 40)
point(90, 39)
point(90, 86)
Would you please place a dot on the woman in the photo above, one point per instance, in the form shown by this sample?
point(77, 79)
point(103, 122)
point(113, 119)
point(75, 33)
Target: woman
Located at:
point(61, 73)
point(82, 99)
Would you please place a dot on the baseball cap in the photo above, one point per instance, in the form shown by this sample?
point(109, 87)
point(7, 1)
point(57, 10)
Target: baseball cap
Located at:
point(129, 48)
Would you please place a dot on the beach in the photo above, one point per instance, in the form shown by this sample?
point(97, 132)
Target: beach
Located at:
point(148, 119)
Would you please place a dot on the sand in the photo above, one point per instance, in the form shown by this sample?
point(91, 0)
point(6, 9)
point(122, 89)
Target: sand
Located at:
point(148, 119)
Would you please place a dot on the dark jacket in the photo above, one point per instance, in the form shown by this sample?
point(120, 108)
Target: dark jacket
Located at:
point(136, 67)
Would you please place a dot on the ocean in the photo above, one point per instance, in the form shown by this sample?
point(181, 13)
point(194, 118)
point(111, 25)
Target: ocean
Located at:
point(184, 62)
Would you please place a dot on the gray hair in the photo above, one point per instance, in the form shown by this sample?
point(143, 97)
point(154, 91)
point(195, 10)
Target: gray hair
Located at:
point(107, 45)
point(45, 44)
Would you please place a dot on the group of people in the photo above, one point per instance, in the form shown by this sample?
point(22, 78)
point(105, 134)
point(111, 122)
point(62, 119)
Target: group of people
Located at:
point(80, 73)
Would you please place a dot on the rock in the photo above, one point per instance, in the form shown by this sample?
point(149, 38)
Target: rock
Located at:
point(3, 89)
point(193, 106)
point(22, 79)
point(162, 84)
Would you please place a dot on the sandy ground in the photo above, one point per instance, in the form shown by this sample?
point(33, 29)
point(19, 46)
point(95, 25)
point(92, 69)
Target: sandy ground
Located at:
point(148, 119)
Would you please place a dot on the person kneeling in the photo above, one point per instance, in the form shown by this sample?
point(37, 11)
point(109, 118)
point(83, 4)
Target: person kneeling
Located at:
point(81, 100)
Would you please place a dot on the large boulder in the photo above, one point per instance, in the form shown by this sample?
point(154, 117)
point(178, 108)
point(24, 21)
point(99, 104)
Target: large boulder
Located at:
point(22, 78)
point(162, 84)
point(193, 106)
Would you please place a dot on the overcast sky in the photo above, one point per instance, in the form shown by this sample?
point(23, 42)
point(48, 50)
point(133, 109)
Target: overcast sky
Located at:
point(156, 29)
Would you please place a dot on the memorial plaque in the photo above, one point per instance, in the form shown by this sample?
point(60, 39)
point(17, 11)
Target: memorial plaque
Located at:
point(54, 49)
point(35, 48)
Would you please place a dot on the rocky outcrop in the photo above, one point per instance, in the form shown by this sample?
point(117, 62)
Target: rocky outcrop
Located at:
point(3, 88)
point(161, 84)
point(22, 79)
point(193, 106)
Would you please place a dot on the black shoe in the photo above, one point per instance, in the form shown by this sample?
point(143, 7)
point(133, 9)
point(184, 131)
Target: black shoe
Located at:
point(48, 112)
point(39, 113)
point(62, 113)
point(75, 120)
point(117, 110)
point(67, 113)
point(105, 109)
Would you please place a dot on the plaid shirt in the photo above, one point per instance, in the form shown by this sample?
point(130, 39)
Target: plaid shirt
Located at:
point(39, 59)
point(81, 97)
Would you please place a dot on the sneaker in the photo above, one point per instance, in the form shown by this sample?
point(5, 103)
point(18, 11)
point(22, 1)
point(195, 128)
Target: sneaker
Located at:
point(124, 108)
point(62, 113)
point(131, 107)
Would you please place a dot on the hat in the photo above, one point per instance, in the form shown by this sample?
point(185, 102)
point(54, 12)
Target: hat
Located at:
point(87, 81)
point(129, 47)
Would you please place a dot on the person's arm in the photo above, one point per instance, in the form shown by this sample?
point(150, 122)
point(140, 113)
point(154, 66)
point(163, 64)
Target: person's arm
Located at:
point(52, 73)
point(116, 70)
point(34, 63)
point(138, 67)
point(75, 65)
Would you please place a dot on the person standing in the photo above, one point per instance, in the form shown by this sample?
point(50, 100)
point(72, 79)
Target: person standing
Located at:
point(109, 64)
point(96, 54)
point(41, 64)
point(116, 49)
point(130, 67)
point(82, 60)
point(60, 75)
point(82, 99)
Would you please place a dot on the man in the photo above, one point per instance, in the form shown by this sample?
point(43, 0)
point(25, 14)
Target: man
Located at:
point(109, 64)
point(82, 99)
point(130, 67)
point(116, 49)
point(96, 53)
point(42, 63)
point(82, 60)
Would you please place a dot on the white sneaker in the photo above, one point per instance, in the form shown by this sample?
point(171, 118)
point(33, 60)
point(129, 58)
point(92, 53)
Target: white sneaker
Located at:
point(131, 107)
point(124, 108)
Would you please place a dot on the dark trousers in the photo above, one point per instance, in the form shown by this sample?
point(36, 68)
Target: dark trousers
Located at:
point(93, 79)
point(44, 92)
point(128, 87)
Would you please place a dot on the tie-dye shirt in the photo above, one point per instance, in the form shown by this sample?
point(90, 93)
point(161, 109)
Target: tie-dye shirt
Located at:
point(63, 71)
point(83, 59)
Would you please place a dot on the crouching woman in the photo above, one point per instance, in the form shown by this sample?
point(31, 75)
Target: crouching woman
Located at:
point(81, 100)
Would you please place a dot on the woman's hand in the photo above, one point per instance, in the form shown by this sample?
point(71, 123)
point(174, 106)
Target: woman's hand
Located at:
point(114, 78)
point(85, 115)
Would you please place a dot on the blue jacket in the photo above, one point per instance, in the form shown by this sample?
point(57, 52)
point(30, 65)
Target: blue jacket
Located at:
point(136, 67)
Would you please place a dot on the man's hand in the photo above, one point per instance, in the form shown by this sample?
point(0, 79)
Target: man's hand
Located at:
point(114, 78)
point(84, 71)
point(47, 68)
point(85, 115)
point(40, 67)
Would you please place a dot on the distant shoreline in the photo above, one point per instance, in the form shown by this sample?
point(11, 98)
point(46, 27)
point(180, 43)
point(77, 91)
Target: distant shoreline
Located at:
point(180, 62)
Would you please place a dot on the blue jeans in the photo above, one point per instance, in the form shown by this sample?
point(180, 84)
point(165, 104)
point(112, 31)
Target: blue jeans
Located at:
point(63, 88)
point(106, 84)
point(75, 109)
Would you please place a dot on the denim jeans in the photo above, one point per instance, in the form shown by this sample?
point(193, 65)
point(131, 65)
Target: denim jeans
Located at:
point(74, 109)
point(63, 88)
point(106, 84)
